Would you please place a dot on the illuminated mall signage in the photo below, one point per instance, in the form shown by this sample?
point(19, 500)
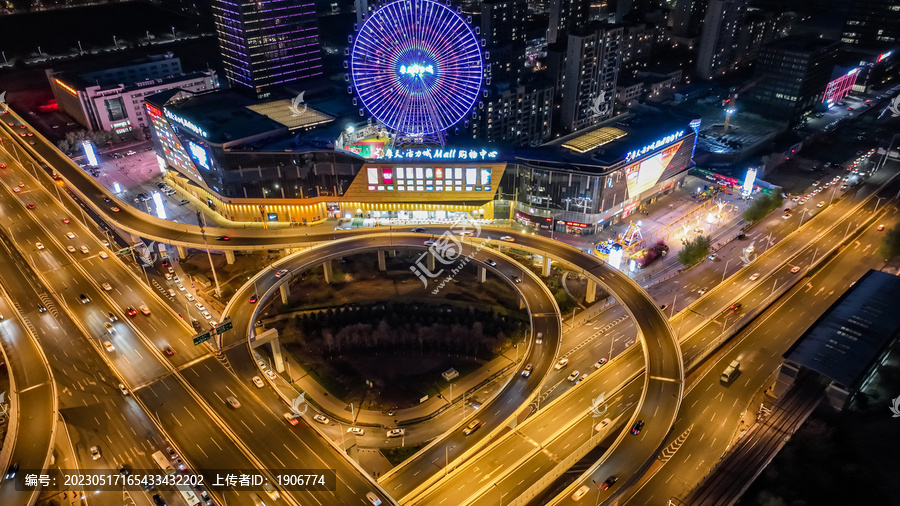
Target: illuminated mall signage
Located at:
point(185, 123)
point(653, 145)
point(429, 179)
point(435, 154)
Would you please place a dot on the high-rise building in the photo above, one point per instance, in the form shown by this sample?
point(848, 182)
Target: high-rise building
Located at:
point(719, 39)
point(565, 16)
point(520, 115)
point(791, 77)
point(686, 18)
point(591, 68)
point(503, 24)
point(267, 43)
point(872, 23)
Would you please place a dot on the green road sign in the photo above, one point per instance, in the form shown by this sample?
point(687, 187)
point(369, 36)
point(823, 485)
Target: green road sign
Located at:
point(201, 338)
point(225, 325)
point(123, 251)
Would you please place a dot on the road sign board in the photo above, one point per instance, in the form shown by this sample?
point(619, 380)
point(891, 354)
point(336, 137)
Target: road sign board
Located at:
point(225, 325)
point(123, 251)
point(202, 338)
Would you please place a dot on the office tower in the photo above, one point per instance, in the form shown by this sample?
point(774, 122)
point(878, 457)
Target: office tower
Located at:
point(591, 68)
point(503, 24)
point(719, 39)
point(267, 43)
point(686, 17)
point(873, 23)
point(520, 115)
point(565, 16)
point(791, 77)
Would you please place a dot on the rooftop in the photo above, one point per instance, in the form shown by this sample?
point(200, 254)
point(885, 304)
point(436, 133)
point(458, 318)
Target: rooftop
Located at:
point(844, 343)
point(290, 114)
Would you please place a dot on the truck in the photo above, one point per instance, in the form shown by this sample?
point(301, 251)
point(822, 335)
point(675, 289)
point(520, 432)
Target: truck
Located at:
point(731, 371)
point(163, 462)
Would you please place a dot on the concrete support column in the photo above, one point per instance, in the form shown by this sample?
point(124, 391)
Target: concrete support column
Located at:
point(276, 353)
point(182, 252)
point(591, 294)
point(546, 267)
point(285, 293)
point(329, 276)
point(382, 266)
point(482, 274)
point(392, 253)
point(430, 261)
point(284, 252)
point(229, 256)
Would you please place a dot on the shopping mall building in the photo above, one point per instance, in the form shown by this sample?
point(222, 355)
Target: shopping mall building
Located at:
point(286, 161)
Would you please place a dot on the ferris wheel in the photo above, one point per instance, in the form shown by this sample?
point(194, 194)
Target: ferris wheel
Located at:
point(417, 67)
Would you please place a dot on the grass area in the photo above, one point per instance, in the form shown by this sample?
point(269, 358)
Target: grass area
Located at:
point(397, 455)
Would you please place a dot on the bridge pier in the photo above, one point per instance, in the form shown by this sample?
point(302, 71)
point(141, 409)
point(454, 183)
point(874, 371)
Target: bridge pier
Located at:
point(591, 294)
point(392, 253)
point(382, 265)
point(182, 252)
point(430, 261)
point(329, 274)
point(482, 274)
point(229, 256)
point(285, 292)
point(276, 353)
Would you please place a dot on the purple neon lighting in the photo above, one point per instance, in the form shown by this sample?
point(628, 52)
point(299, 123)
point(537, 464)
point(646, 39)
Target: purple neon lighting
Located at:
point(423, 32)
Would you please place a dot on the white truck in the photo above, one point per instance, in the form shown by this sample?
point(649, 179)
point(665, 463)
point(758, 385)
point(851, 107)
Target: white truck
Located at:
point(731, 371)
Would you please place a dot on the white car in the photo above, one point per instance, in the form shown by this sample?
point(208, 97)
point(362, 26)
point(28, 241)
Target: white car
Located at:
point(598, 364)
point(70, 248)
point(38, 245)
point(574, 376)
point(374, 499)
point(103, 255)
point(603, 424)
point(188, 296)
point(70, 235)
point(106, 286)
point(199, 306)
point(109, 346)
point(258, 382)
point(396, 432)
point(754, 277)
point(145, 309)
point(271, 374)
point(356, 430)
point(84, 249)
point(109, 328)
point(562, 363)
point(180, 287)
point(123, 389)
point(321, 419)
point(820, 204)
point(580, 492)
point(508, 238)
point(168, 277)
point(206, 315)
point(702, 290)
point(95, 452)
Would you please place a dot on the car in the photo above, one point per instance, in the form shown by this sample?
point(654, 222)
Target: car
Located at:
point(30, 206)
point(281, 273)
point(581, 492)
point(539, 338)
point(109, 328)
point(206, 314)
point(418, 230)
point(180, 287)
point(114, 209)
point(820, 204)
point(223, 238)
point(713, 256)
point(106, 286)
point(95, 452)
point(562, 363)
point(70, 248)
point(490, 262)
point(741, 236)
point(372, 498)
point(826, 185)
point(131, 311)
point(636, 429)
point(158, 500)
point(2, 165)
point(170, 269)
point(271, 492)
point(429, 242)
point(67, 221)
point(291, 419)
point(603, 424)
point(795, 269)
point(321, 419)
point(735, 307)
point(254, 298)
point(17, 190)
point(21, 185)
point(233, 402)
point(270, 374)
point(42, 308)
point(609, 482)
point(880, 228)
point(508, 238)
point(123, 389)
point(526, 372)
point(70, 235)
point(472, 427)
point(168, 276)
point(598, 364)
point(258, 382)
point(703, 290)
point(168, 350)
point(84, 298)
point(109, 346)
point(396, 432)
point(754, 276)
point(189, 296)
point(104, 255)
point(574, 376)
point(38, 245)
point(144, 309)
point(199, 306)
point(84, 249)
point(356, 431)
point(515, 279)
point(795, 199)
point(107, 200)
point(13, 468)
point(112, 316)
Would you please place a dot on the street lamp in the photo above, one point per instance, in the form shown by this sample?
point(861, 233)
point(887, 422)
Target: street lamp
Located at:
point(724, 271)
point(878, 203)
point(886, 153)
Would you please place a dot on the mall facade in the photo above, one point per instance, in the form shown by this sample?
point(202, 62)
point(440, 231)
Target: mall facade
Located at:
point(280, 161)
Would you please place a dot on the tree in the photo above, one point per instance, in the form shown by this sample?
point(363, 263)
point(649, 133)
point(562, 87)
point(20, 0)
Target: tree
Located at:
point(694, 250)
point(762, 206)
point(890, 244)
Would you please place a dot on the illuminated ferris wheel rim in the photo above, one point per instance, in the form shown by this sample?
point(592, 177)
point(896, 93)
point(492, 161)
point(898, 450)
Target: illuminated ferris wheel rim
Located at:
point(416, 66)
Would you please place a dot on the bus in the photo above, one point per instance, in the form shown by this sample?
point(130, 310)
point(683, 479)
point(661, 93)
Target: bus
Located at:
point(163, 463)
point(190, 498)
